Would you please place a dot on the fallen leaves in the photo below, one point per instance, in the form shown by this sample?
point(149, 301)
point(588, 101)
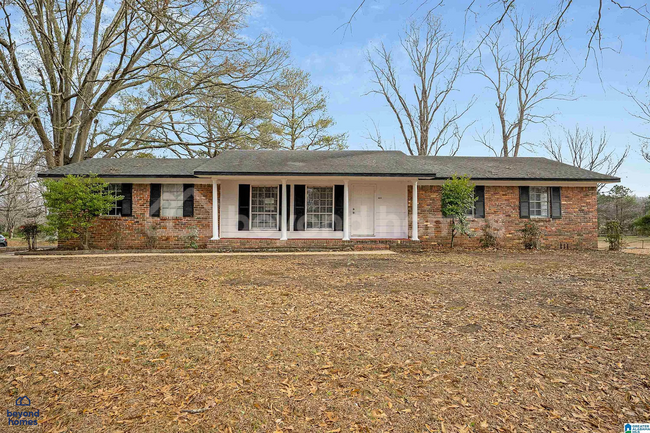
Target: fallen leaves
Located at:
point(460, 342)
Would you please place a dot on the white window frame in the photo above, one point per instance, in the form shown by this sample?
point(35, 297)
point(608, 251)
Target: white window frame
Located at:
point(277, 208)
point(115, 210)
point(547, 192)
point(472, 211)
point(165, 204)
point(307, 213)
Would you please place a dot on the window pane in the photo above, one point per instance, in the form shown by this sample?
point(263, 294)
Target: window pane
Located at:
point(172, 200)
point(115, 189)
point(320, 207)
point(264, 208)
point(539, 201)
point(470, 211)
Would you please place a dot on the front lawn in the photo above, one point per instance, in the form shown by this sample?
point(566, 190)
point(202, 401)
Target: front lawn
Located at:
point(479, 342)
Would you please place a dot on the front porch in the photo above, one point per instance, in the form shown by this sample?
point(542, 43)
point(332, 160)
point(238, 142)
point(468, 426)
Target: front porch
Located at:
point(295, 211)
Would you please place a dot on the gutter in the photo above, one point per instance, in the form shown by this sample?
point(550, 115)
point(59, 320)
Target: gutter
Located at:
point(420, 176)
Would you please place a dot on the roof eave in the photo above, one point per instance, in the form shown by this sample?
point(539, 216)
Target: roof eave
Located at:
point(226, 173)
point(125, 175)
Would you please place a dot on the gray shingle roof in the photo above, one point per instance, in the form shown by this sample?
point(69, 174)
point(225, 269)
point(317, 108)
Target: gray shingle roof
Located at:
point(314, 163)
point(487, 168)
point(335, 163)
point(129, 167)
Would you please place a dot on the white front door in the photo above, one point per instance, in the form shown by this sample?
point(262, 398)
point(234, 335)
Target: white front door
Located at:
point(362, 210)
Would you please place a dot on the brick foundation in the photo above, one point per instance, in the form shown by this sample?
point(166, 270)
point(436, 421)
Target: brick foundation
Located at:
point(311, 244)
point(577, 229)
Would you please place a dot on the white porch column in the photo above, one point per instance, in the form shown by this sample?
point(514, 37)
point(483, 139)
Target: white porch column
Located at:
point(414, 211)
point(346, 213)
point(215, 210)
point(283, 223)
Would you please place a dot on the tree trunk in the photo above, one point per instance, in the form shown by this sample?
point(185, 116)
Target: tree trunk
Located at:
point(453, 232)
point(86, 242)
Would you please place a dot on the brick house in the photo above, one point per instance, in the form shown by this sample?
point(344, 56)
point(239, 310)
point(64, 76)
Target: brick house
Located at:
point(337, 199)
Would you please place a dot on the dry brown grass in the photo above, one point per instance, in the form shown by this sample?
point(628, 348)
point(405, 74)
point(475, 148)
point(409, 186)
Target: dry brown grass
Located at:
point(436, 342)
point(21, 242)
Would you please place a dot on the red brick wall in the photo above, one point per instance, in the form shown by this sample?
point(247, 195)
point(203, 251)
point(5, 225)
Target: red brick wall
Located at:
point(142, 231)
point(577, 229)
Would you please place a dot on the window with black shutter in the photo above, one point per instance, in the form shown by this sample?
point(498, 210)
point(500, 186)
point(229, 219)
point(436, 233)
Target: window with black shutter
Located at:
point(299, 207)
point(154, 200)
point(540, 202)
point(244, 207)
point(127, 201)
point(338, 207)
point(524, 202)
point(556, 202)
point(188, 200)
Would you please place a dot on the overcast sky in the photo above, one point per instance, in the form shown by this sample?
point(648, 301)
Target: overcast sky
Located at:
point(336, 61)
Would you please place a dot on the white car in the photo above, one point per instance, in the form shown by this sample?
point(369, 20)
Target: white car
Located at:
point(3, 241)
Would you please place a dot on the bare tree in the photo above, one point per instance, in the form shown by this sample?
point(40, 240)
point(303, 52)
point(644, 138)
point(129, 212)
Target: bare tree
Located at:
point(430, 123)
point(599, 10)
point(520, 78)
point(642, 113)
point(378, 140)
point(99, 79)
point(20, 197)
point(584, 150)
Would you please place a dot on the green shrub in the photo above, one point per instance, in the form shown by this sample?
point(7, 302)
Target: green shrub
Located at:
point(457, 198)
point(614, 235)
point(489, 236)
point(30, 231)
point(642, 225)
point(192, 238)
point(74, 203)
point(531, 235)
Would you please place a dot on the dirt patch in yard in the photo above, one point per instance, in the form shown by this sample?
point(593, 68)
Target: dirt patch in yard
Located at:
point(498, 341)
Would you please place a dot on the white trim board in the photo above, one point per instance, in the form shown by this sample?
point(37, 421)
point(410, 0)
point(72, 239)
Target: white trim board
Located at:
point(518, 183)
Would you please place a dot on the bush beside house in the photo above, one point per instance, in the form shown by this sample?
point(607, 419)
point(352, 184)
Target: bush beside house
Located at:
point(74, 203)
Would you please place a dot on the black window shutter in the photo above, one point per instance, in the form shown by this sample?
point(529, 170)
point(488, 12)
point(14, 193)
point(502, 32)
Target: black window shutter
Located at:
point(188, 199)
point(154, 200)
point(479, 204)
point(524, 202)
point(338, 208)
point(299, 207)
point(127, 201)
point(244, 207)
point(556, 202)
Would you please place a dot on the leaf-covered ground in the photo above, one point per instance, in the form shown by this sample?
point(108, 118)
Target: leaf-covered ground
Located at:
point(490, 341)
